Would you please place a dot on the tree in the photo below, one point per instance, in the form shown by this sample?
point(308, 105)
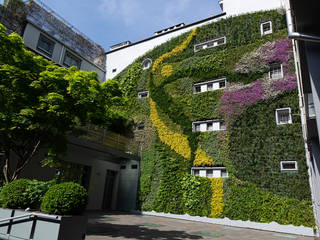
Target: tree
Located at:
point(40, 103)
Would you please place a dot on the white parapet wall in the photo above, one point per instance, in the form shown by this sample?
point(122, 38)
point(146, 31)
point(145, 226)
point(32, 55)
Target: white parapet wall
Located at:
point(273, 226)
point(238, 7)
point(119, 59)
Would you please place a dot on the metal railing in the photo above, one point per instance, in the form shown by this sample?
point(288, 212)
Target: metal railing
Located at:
point(11, 221)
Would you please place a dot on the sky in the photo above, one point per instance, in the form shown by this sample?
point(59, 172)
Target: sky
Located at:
point(108, 22)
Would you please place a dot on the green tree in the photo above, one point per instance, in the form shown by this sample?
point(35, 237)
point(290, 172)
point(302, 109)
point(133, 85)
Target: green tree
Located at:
point(41, 103)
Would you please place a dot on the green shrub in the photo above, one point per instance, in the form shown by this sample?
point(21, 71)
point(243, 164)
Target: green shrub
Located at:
point(13, 194)
point(36, 190)
point(65, 198)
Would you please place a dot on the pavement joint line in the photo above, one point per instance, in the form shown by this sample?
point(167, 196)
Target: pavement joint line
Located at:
point(152, 225)
point(284, 235)
point(233, 229)
point(208, 234)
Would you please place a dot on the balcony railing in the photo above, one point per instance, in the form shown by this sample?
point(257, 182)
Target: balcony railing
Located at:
point(108, 138)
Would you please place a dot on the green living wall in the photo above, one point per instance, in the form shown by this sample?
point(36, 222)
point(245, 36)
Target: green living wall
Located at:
point(251, 147)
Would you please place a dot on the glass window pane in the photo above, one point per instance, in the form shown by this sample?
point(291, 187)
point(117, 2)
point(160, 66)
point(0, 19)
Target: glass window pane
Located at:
point(45, 45)
point(209, 173)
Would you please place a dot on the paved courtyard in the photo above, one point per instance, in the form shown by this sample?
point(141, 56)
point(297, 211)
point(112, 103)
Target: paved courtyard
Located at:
point(133, 226)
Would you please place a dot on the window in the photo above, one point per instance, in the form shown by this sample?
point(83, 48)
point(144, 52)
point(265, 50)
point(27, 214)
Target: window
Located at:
point(209, 173)
point(197, 89)
point(71, 60)
point(276, 71)
point(146, 63)
point(123, 167)
point(214, 172)
point(196, 173)
point(266, 28)
point(140, 127)
point(209, 44)
point(114, 70)
point(45, 45)
point(135, 166)
point(208, 125)
point(289, 166)
point(283, 116)
point(311, 109)
point(143, 94)
point(209, 85)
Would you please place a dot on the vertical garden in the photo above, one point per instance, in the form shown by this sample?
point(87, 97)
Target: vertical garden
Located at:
point(251, 146)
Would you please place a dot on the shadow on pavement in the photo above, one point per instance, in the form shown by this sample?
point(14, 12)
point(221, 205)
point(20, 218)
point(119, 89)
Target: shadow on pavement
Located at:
point(135, 232)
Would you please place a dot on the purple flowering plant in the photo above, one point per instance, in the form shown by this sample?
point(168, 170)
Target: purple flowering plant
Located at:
point(234, 100)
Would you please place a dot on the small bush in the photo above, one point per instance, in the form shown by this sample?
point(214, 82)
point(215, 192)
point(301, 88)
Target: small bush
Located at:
point(65, 198)
point(36, 191)
point(13, 195)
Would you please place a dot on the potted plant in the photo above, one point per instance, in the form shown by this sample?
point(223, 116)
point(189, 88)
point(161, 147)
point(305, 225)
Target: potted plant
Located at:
point(56, 210)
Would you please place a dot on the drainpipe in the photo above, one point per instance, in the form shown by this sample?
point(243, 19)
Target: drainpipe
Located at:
point(296, 35)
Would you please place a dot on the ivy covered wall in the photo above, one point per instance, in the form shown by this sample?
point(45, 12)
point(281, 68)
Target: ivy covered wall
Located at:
point(252, 146)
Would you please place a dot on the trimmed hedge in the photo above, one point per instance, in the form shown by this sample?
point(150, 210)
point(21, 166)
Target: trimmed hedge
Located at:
point(65, 199)
point(13, 195)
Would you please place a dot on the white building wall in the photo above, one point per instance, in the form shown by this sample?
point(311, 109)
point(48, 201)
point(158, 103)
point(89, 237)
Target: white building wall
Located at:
point(238, 7)
point(121, 58)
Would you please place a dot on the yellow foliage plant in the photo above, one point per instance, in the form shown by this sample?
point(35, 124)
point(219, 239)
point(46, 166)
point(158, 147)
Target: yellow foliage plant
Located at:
point(166, 70)
point(201, 158)
point(217, 197)
point(176, 141)
point(178, 49)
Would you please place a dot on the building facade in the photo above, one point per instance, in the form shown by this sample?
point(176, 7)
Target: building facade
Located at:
point(49, 35)
point(218, 118)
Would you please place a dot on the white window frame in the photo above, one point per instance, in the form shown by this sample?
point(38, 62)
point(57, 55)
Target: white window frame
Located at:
point(142, 93)
point(207, 83)
point(266, 32)
point(149, 65)
point(204, 45)
point(277, 118)
point(209, 168)
point(273, 64)
point(197, 124)
point(290, 162)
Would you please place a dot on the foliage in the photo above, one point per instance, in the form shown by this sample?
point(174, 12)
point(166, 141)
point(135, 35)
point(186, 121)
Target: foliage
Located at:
point(35, 192)
point(41, 102)
point(245, 201)
point(178, 49)
point(166, 70)
point(217, 197)
point(249, 148)
point(129, 81)
point(258, 144)
point(170, 194)
point(202, 159)
point(65, 198)
point(216, 145)
point(197, 194)
point(13, 194)
point(176, 141)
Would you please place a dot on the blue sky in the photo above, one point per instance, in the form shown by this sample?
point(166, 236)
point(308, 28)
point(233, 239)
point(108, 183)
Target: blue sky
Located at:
point(109, 22)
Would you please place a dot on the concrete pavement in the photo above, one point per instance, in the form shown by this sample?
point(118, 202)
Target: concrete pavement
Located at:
point(117, 225)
